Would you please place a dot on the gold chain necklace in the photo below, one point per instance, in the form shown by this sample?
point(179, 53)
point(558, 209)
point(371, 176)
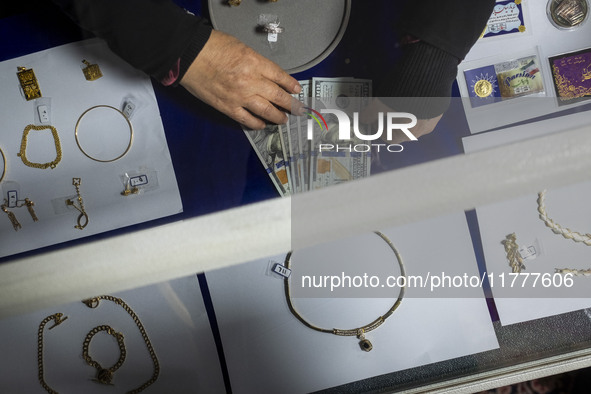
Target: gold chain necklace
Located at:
point(4, 164)
point(364, 343)
point(104, 375)
point(557, 228)
point(94, 303)
point(23, 151)
point(57, 320)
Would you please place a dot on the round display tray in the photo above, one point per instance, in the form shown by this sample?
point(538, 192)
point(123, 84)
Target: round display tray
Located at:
point(311, 28)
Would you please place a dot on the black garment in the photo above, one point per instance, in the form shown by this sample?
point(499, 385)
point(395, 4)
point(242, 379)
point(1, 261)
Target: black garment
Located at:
point(161, 39)
point(439, 34)
point(155, 36)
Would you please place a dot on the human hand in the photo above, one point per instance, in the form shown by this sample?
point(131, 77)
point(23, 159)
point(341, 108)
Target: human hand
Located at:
point(423, 126)
point(234, 79)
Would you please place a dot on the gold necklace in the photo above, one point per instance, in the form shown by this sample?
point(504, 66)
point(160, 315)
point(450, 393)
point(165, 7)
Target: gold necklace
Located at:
point(23, 151)
point(57, 320)
point(104, 375)
point(94, 303)
point(557, 228)
point(4, 164)
point(364, 343)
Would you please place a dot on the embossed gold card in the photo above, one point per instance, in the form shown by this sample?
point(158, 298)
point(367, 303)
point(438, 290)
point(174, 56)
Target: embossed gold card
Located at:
point(571, 74)
point(29, 83)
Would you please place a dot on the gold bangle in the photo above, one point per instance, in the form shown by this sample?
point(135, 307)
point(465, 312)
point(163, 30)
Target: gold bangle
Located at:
point(364, 343)
point(23, 151)
point(94, 158)
point(4, 165)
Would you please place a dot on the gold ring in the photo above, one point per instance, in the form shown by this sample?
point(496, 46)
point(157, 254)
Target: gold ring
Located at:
point(130, 134)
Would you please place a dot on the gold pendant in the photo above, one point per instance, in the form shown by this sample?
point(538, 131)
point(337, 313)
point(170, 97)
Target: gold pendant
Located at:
point(92, 72)
point(29, 83)
point(364, 344)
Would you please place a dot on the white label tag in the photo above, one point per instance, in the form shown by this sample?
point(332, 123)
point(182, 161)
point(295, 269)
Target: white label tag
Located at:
point(281, 270)
point(272, 37)
point(138, 180)
point(12, 199)
point(43, 113)
point(528, 252)
point(128, 108)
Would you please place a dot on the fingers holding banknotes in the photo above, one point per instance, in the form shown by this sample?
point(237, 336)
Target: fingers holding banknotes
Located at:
point(237, 81)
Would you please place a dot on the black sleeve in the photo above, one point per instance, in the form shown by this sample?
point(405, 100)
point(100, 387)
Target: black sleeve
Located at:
point(435, 36)
point(155, 36)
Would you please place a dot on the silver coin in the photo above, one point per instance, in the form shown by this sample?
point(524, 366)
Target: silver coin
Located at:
point(567, 14)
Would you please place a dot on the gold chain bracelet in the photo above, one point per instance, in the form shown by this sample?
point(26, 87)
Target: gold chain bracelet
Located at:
point(104, 375)
point(94, 303)
point(57, 320)
point(512, 252)
point(557, 228)
point(364, 343)
point(23, 151)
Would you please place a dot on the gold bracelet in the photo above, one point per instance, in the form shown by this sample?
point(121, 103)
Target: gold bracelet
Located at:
point(57, 320)
point(23, 151)
point(364, 343)
point(512, 252)
point(94, 303)
point(557, 228)
point(94, 158)
point(4, 165)
point(104, 375)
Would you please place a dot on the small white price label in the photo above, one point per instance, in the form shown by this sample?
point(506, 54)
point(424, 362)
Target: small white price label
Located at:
point(281, 270)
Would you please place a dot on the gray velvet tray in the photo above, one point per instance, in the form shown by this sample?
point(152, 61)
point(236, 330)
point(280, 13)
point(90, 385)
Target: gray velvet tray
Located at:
point(312, 28)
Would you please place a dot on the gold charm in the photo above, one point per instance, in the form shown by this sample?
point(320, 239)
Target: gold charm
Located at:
point(234, 3)
point(82, 220)
point(30, 204)
point(15, 224)
point(364, 344)
point(129, 191)
point(92, 72)
point(29, 83)
point(58, 148)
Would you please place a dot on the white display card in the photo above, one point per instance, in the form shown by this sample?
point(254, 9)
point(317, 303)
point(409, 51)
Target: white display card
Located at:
point(269, 351)
point(174, 317)
point(60, 78)
point(567, 206)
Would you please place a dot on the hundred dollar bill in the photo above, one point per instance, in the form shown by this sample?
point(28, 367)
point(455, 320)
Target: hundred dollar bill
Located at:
point(287, 159)
point(339, 163)
point(304, 146)
point(295, 164)
point(267, 145)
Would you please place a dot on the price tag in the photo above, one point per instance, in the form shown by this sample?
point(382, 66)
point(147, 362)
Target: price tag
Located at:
point(139, 180)
point(12, 199)
point(528, 252)
point(281, 270)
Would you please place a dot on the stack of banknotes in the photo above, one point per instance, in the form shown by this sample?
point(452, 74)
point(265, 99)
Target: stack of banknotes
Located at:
point(297, 156)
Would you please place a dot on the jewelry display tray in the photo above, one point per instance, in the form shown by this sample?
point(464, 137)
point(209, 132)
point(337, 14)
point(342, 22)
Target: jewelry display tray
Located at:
point(312, 29)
